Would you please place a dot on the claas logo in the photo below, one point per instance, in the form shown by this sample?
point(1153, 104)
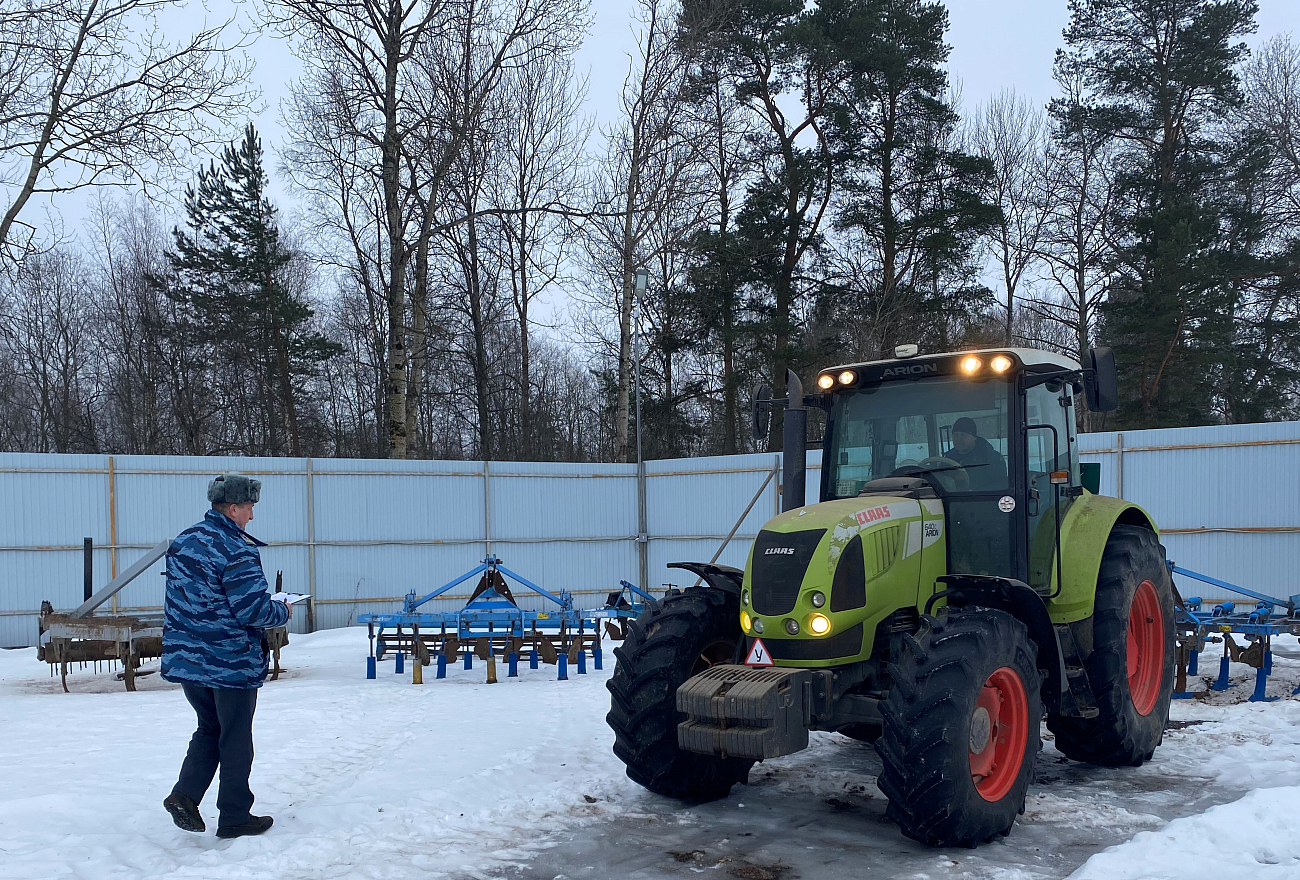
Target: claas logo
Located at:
point(869, 516)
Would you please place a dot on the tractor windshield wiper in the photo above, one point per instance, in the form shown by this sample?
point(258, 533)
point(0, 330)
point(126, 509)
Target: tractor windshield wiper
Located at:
point(960, 467)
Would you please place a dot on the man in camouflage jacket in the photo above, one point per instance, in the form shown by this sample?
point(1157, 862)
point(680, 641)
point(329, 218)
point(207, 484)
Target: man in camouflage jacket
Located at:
point(217, 608)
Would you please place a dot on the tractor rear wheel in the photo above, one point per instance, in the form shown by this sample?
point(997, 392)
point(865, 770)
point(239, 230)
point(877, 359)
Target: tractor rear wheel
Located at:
point(686, 633)
point(1131, 664)
point(961, 728)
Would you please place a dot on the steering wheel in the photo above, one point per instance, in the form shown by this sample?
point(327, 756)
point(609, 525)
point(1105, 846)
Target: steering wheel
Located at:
point(948, 473)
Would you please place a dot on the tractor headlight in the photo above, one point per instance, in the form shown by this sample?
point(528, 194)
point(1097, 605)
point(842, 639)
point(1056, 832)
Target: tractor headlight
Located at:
point(1000, 364)
point(818, 599)
point(819, 624)
point(825, 381)
point(744, 597)
point(848, 377)
point(758, 625)
point(971, 364)
point(746, 622)
point(792, 626)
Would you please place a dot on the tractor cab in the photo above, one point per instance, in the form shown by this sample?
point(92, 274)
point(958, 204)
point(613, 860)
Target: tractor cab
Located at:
point(989, 433)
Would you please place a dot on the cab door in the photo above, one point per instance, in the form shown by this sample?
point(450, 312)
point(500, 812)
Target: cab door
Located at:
point(1049, 449)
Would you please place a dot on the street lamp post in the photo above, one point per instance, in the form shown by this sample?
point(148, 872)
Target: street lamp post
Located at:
point(641, 282)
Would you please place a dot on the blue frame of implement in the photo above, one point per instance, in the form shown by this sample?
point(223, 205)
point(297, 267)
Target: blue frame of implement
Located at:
point(1269, 617)
point(493, 615)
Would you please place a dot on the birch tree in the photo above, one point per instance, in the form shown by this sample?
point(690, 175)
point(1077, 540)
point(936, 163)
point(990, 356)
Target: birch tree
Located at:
point(1008, 133)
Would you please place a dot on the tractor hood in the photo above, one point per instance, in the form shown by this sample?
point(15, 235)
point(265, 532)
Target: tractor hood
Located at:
point(850, 561)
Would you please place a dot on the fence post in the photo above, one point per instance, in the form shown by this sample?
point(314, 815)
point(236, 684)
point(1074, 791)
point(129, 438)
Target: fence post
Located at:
point(1119, 465)
point(487, 510)
point(112, 525)
point(642, 532)
point(311, 550)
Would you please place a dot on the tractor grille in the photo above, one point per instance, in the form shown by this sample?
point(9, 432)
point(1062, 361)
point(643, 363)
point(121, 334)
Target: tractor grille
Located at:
point(780, 560)
point(883, 546)
point(846, 644)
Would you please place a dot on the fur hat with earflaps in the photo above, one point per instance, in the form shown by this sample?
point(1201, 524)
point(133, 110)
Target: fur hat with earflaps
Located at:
point(234, 488)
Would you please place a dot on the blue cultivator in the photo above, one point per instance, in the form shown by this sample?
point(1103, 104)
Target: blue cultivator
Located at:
point(1269, 617)
point(492, 625)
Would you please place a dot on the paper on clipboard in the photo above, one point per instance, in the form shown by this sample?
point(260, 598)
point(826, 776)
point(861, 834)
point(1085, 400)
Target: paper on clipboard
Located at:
point(289, 598)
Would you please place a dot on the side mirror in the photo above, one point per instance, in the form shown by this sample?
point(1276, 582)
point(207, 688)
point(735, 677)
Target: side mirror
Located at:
point(1101, 384)
point(762, 413)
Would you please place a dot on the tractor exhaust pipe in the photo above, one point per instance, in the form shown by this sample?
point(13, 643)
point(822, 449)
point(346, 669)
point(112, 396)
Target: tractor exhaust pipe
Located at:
point(794, 460)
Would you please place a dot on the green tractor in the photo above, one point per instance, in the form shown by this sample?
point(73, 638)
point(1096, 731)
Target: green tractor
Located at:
point(959, 581)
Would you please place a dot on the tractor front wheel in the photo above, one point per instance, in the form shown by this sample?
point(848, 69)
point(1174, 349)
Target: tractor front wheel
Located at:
point(961, 728)
point(1131, 664)
point(686, 633)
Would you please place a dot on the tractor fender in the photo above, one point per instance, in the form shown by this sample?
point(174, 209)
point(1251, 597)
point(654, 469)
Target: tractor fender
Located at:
point(722, 577)
point(1019, 600)
point(1085, 530)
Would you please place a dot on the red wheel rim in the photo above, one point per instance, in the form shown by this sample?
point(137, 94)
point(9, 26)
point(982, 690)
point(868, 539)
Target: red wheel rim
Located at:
point(999, 729)
point(1146, 648)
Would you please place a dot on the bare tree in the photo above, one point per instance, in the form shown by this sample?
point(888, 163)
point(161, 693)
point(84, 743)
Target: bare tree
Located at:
point(92, 92)
point(1271, 81)
point(644, 176)
point(1008, 131)
point(1076, 238)
point(390, 62)
point(49, 332)
point(542, 151)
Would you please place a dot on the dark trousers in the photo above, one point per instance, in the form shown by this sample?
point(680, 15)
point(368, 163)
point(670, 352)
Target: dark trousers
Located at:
point(224, 738)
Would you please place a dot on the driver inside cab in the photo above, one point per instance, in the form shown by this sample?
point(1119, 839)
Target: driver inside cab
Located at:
point(984, 465)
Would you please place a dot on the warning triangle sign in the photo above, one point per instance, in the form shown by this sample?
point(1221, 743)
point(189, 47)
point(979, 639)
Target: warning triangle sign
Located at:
point(758, 655)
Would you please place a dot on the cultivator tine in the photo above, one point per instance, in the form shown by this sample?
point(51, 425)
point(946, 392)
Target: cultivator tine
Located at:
point(575, 648)
point(616, 632)
point(451, 646)
point(546, 651)
point(483, 648)
point(514, 645)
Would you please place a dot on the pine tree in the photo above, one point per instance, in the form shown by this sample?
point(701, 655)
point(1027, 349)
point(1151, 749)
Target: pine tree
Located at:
point(1162, 76)
point(229, 279)
point(914, 201)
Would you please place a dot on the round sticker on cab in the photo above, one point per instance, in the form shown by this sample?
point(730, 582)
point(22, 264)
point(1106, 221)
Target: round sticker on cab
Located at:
point(1006, 504)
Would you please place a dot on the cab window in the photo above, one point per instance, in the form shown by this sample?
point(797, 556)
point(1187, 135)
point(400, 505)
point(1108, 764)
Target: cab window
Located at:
point(952, 429)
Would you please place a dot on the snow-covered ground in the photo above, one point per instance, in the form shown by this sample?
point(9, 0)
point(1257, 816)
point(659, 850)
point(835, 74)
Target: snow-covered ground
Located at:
point(459, 779)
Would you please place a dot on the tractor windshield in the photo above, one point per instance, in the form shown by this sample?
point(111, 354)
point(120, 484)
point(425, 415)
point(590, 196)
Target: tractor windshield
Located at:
point(953, 429)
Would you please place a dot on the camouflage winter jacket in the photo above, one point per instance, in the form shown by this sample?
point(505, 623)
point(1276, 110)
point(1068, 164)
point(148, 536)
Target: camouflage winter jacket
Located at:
point(217, 607)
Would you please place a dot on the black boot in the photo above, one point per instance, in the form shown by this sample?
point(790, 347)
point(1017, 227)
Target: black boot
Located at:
point(184, 812)
point(254, 825)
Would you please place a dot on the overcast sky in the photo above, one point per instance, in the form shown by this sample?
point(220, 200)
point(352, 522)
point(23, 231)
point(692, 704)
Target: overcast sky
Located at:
point(996, 45)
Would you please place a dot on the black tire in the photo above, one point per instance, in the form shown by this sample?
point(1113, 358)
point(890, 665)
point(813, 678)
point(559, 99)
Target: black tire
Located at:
point(1120, 736)
point(926, 746)
point(686, 633)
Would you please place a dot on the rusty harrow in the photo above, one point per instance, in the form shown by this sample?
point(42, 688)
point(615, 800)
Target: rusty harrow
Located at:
point(491, 625)
point(81, 636)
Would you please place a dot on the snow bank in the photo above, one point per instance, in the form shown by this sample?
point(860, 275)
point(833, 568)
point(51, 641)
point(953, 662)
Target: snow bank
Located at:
point(1250, 838)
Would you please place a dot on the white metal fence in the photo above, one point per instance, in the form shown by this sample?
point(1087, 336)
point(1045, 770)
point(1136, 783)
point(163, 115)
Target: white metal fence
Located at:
point(359, 534)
